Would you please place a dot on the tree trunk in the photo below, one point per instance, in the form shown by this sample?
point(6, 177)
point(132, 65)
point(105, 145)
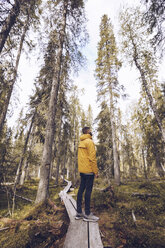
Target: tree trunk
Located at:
point(9, 22)
point(43, 187)
point(64, 161)
point(6, 104)
point(24, 149)
point(144, 164)
point(24, 171)
point(17, 177)
point(159, 167)
point(115, 153)
point(109, 155)
point(58, 168)
point(69, 163)
point(39, 172)
point(58, 160)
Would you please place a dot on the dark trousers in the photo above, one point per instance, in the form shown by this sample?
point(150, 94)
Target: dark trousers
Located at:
point(85, 185)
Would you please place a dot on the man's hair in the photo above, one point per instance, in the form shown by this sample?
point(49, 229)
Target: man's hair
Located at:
point(84, 130)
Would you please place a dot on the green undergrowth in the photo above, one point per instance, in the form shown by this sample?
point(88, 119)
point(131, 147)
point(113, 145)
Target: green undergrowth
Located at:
point(117, 206)
point(34, 226)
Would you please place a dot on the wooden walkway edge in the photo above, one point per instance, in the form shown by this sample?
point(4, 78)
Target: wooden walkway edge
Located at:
point(80, 234)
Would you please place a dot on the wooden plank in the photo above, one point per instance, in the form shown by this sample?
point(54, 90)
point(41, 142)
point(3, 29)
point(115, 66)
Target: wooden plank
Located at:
point(77, 235)
point(80, 234)
point(69, 207)
point(94, 235)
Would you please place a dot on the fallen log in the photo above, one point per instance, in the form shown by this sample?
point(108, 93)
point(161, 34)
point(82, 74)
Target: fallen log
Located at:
point(144, 195)
point(24, 198)
point(5, 228)
point(6, 184)
point(19, 196)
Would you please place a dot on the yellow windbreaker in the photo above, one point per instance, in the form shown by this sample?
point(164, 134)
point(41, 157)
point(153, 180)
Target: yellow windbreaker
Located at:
point(87, 155)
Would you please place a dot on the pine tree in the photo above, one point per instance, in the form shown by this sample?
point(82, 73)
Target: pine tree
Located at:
point(107, 66)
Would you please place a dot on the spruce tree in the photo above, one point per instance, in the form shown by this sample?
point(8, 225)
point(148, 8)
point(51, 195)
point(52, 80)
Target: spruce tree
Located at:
point(107, 66)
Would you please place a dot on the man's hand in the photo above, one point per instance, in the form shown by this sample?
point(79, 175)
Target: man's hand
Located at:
point(96, 175)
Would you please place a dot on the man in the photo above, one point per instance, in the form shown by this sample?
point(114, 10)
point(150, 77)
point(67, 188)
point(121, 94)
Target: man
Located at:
point(87, 167)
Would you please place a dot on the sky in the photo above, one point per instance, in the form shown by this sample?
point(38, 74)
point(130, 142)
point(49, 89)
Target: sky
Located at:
point(127, 76)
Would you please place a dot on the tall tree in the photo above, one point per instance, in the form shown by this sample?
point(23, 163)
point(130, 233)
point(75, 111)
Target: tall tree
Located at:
point(107, 66)
point(137, 51)
point(69, 12)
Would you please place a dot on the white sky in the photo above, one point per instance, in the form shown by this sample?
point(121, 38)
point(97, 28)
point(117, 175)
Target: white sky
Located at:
point(95, 9)
point(127, 76)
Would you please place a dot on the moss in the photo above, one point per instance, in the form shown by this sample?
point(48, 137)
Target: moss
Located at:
point(12, 240)
point(102, 200)
point(35, 226)
point(116, 221)
point(140, 238)
point(33, 235)
point(150, 187)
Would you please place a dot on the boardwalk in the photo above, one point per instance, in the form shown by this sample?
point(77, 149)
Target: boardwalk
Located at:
point(80, 234)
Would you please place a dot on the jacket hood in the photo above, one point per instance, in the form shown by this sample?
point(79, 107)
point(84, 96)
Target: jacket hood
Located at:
point(85, 136)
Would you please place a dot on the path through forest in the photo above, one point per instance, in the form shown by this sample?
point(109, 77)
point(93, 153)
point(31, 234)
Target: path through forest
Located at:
point(80, 234)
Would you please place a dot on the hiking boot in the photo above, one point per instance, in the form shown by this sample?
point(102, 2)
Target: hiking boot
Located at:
point(91, 217)
point(79, 216)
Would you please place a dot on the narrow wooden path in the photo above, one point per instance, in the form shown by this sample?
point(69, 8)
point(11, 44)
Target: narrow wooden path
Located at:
point(80, 234)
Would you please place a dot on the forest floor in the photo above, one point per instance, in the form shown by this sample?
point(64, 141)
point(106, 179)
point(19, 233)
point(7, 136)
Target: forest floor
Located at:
point(116, 208)
point(40, 226)
point(45, 225)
